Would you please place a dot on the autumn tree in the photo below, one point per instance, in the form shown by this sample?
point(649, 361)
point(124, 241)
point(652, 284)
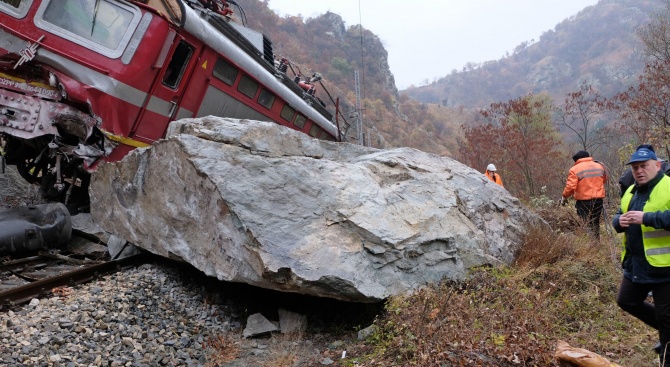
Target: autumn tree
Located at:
point(644, 110)
point(579, 115)
point(520, 139)
point(656, 36)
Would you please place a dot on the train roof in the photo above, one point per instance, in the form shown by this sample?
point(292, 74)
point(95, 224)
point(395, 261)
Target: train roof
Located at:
point(232, 40)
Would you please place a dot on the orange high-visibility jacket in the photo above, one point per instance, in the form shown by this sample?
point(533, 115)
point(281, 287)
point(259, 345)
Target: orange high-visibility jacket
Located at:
point(586, 180)
point(494, 177)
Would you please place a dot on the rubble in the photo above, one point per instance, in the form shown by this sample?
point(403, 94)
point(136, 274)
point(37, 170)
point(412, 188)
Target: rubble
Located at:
point(258, 203)
point(257, 325)
point(291, 322)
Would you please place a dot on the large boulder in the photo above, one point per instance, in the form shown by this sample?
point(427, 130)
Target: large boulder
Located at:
point(259, 203)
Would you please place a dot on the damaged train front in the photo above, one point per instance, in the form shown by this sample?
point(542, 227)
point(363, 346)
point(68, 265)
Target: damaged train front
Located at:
point(52, 140)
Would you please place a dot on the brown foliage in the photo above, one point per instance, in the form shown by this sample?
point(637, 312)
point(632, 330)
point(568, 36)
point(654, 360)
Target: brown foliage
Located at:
point(644, 110)
point(520, 140)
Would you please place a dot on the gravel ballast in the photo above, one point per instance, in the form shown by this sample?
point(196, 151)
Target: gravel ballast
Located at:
point(141, 316)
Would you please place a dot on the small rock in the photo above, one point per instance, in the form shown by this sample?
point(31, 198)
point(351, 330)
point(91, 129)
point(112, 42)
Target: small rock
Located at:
point(365, 333)
point(291, 322)
point(257, 324)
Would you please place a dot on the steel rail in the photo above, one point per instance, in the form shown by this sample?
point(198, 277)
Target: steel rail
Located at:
point(24, 293)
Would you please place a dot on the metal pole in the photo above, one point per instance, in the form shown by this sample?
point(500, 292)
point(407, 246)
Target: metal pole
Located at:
point(359, 120)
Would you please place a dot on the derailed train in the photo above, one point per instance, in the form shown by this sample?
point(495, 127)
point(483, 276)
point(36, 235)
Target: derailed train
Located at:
point(86, 81)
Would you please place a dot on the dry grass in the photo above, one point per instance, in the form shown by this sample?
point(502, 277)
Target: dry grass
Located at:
point(561, 287)
point(286, 350)
point(221, 349)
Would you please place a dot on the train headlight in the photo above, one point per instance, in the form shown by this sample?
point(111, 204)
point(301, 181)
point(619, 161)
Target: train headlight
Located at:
point(53, 80)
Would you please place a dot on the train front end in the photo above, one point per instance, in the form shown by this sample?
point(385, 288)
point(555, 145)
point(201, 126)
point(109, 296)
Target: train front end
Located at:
point(62, 88)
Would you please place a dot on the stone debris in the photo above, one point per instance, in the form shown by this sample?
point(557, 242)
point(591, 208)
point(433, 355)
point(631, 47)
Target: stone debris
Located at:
point(365, 333)
point(291, 322)
point(15, 191)
point(119, 248)
point(257, 325)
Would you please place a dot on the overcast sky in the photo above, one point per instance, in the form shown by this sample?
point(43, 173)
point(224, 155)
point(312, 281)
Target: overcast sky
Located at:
point(426, 39)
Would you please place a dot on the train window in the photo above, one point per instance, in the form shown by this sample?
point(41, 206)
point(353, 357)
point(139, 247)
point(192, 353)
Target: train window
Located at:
point(326, 136)
point(105, 26)
point(315, 130)
point(287, 112)
point(15, 8)
point(225, 71)
point(266, 98)
point(248, 86)
point(177, 66)
point(300, 121)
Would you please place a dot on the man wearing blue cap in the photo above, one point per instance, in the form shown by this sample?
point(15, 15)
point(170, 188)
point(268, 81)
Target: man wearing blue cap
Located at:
point(626, 179)
point(644, 216)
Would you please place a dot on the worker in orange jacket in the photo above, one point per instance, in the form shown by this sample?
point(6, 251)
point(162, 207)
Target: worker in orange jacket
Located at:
point(492, 175)
point(586, 181)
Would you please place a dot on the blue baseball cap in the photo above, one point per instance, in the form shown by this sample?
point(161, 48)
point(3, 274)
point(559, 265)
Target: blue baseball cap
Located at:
point(641, 155)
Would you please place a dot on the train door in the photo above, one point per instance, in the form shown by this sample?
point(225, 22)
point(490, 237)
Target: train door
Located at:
point(162, 103)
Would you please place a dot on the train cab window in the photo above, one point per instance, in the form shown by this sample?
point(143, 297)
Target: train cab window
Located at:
point(325, 136)
point(266, 98)
point(248, 86)
point(300, 121)
point(315, 130)
point(225, 71)
point(104, 26)
point(287, 112)
point(177, 66)
point(15, 8)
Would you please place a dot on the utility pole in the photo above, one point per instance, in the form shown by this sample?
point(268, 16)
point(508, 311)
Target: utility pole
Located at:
point(359, 111)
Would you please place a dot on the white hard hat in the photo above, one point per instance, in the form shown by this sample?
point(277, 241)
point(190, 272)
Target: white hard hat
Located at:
point(491, 167)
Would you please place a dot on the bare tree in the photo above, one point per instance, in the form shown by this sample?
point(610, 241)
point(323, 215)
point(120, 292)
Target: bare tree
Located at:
point(656, 36)
point(579, 114)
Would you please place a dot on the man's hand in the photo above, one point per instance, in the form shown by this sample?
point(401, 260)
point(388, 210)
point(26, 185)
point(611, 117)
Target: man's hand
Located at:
point(632, 217)
point(562, 201)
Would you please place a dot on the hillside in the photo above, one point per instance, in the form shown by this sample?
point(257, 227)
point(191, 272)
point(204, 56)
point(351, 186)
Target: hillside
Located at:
point(325, 45)
point(598, 45)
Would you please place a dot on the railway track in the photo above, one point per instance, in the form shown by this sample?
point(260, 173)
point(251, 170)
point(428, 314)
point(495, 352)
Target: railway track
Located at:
point(27, 276)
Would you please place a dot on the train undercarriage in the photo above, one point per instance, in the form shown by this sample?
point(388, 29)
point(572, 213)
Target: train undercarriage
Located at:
point(41, 161)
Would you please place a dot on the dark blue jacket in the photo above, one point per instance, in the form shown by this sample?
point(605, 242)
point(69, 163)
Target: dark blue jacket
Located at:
point(635, 265)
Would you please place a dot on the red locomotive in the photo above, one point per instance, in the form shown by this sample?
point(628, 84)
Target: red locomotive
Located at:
point(85, 81)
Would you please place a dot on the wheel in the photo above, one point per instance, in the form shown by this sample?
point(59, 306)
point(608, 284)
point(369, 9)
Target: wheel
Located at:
point(32, 169)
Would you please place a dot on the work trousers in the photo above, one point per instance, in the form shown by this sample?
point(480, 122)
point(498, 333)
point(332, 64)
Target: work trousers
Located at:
point(632, 299)
point(590, 212)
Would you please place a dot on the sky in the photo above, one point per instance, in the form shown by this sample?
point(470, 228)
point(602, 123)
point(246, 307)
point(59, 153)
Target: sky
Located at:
point(427, 39)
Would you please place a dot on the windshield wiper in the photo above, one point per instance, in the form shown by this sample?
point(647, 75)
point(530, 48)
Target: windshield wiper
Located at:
point(95, 15)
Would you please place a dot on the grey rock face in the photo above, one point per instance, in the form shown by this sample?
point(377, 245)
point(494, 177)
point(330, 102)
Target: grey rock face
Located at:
point(15, 191)
point(257, 324)
point(291, 322)
point(258, 203)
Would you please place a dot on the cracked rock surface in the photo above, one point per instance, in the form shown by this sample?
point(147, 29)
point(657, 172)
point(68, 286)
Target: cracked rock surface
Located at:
point(258, 203)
